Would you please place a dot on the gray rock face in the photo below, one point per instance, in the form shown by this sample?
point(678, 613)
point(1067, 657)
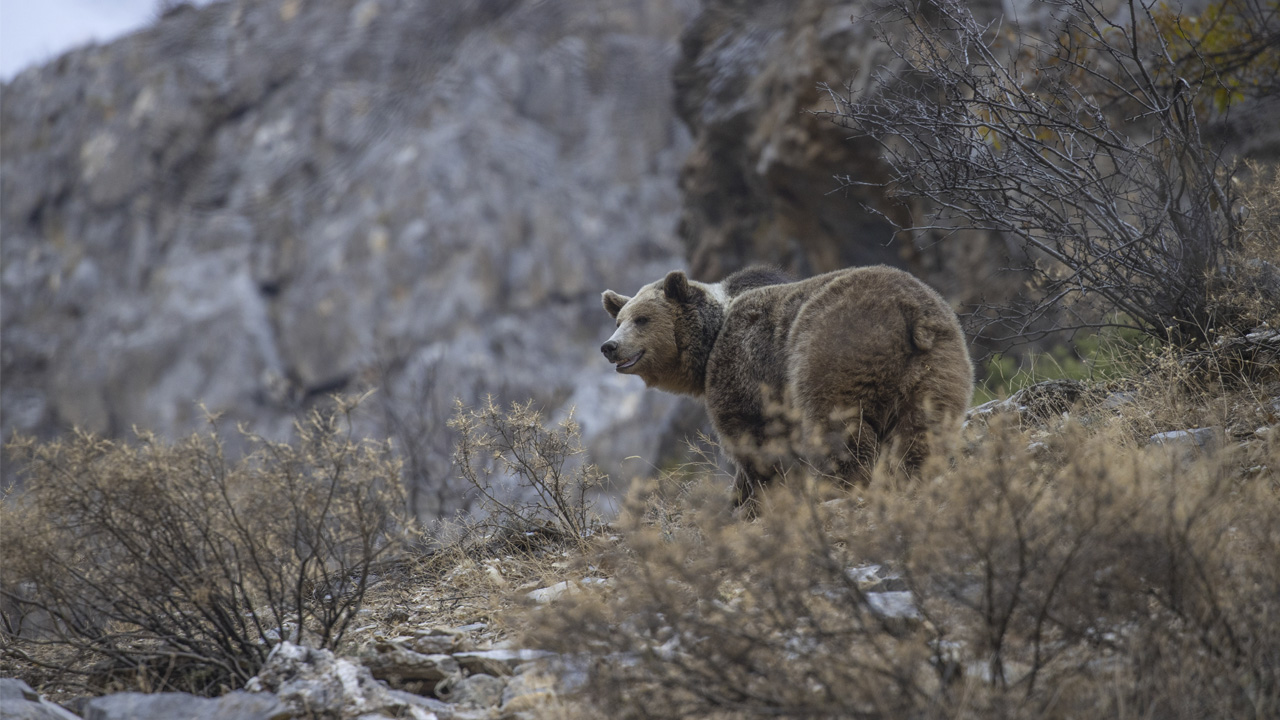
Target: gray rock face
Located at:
point(253, 204)
point(759, 184)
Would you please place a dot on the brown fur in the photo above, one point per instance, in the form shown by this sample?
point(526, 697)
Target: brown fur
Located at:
point(829, 372)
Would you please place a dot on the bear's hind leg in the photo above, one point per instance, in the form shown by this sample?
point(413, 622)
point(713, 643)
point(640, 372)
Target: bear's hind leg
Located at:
point(842, 447)
point(748, 483)
point(852, 460)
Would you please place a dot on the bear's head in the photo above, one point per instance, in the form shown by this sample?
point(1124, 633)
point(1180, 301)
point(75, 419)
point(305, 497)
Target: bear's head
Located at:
point(665, 333)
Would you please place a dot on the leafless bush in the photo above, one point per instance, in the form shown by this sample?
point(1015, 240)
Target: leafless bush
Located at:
point(408, 399)
point(1085, 145)
point(1079, 576)
point(532, 480)
point(170, 563)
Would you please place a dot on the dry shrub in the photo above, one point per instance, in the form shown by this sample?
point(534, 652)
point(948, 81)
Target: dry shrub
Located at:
point(171, 566)
point(1078, 575)
point(1086, 575)
point(1246, 296)
point(533, 481)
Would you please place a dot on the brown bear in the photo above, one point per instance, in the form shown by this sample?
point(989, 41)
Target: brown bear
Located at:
point(829, 373)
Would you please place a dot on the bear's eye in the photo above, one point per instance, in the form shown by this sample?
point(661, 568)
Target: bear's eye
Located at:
point(642, 320)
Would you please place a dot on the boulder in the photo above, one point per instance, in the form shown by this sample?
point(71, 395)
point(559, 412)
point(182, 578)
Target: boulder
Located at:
point(237, 705)
point(1037, 404)
point(393, 662)
point(1204, 439)
point(478, 690)
point(502, 661)
point(315, 683)
point(19, 702)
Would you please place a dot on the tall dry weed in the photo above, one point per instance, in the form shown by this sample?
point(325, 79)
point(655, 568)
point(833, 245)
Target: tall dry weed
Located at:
point(533, 481)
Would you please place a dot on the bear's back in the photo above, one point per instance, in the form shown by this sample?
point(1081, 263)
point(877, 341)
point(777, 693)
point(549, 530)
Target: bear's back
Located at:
point(753, 277)
point(865, 339)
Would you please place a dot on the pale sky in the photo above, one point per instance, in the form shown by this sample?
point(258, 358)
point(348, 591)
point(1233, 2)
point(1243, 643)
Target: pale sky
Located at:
point(35, 31)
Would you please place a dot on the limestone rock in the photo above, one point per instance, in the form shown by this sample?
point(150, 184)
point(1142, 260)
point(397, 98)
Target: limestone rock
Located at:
point(1194, 438)
point(894, 604)
point(551, 592)
point(759, 184)
point(437, 642)
point(528, 691)
point(389, 661)
point(18, 701)
point(498, 662)
point(237, 705)
point(315, 683)
point(479, 690)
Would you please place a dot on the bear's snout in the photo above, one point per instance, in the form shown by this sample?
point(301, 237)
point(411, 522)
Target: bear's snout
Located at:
point(609, 348)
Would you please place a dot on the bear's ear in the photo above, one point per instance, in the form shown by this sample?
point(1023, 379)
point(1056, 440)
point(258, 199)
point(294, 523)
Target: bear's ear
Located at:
point(676, 286)
point(613, 302)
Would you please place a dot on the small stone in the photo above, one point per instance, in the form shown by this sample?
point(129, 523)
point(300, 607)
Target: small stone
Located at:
point(427, 704)
point(442, 644)
point(498, 662)
point(480, 690)
point(237, 705)
point(527, 691)
point(394, 662)
point(1117, 400)
point(874, 577)
point(896, 604)
point(528, 701)
point(1203, 438)
point(551, 592)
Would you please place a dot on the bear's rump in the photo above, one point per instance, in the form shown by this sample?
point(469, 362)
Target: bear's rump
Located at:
point(848, 356)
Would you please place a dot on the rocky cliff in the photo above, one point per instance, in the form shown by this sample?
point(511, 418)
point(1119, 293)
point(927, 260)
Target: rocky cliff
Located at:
point(760, 182)
point(254, 203)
